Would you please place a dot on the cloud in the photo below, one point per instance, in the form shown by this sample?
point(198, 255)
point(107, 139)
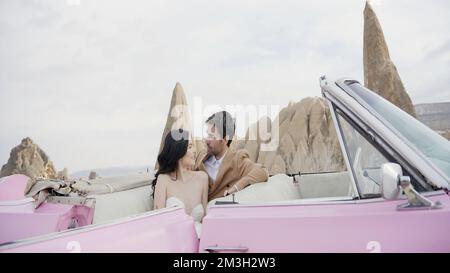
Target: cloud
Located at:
point(441, 51)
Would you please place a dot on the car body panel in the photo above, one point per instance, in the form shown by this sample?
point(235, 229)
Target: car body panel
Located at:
point(166, 230)
point(20, 219)
point(13, 187)
point(351, 226)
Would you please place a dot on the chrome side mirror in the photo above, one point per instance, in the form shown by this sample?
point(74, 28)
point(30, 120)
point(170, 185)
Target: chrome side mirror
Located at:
point(393, 183)
point(390, 174)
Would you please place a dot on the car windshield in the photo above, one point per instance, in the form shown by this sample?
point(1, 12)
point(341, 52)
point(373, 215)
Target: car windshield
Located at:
point(435, 147)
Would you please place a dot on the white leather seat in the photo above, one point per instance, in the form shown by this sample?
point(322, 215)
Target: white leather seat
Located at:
point(129, 195)
point(122, 204)
point(280, 187)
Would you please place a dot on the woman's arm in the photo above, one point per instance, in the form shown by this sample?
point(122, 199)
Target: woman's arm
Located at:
point(160, 194)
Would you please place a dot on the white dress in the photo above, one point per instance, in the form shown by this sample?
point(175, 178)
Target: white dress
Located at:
point(198, 212)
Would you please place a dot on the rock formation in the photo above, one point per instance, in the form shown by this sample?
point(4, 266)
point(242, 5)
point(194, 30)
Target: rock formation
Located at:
point(92, 175)
point(64, 174)
point(380, 73)
point(256, 134)
point(178, 116)
point(307, 140)
point(28, 159)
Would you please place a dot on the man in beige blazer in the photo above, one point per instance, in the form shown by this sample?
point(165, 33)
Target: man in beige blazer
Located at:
point(229, 171)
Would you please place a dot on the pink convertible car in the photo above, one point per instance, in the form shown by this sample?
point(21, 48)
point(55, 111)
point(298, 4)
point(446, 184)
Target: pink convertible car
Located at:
point(393, 198)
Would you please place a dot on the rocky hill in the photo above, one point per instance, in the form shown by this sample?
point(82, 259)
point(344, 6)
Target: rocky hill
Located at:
point(436, 116)
point(28, 159)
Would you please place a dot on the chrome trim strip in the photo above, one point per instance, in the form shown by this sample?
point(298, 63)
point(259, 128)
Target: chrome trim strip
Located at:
point(216, 248)
point(344, 150)
point(293, 202)
point(17, 202)
point(343, 200)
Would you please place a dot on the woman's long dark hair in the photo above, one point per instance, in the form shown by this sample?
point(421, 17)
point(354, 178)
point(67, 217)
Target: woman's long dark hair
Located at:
point(175, 147)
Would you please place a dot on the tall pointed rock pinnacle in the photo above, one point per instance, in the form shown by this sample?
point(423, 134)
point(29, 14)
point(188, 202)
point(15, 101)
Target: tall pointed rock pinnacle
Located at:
point(178, 115)
point(380, 73)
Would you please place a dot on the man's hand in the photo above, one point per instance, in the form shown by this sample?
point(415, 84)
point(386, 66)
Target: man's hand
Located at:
point(231, 190)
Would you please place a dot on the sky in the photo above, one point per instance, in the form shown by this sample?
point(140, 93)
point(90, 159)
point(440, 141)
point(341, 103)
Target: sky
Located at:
point(90, 81)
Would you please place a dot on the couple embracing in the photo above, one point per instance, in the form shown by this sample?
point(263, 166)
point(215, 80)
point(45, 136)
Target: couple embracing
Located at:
point(190, 181)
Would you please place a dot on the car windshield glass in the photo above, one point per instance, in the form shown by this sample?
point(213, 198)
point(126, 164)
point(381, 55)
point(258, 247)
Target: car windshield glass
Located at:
point(365, 160)
point(435, 147)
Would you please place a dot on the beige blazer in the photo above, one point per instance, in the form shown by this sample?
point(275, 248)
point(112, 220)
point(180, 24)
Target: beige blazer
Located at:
point(236, 169)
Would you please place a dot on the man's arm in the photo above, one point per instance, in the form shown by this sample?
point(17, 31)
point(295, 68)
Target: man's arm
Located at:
point(250, 172)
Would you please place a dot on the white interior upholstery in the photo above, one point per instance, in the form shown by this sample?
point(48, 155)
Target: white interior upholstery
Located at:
point(280, 187)
point(131, 195)
point(121, 204)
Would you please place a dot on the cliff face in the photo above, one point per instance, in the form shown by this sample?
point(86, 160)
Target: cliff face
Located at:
point(28, 159)
point(380, 73)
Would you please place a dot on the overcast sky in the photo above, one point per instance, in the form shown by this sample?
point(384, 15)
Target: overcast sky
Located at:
point(90, 81)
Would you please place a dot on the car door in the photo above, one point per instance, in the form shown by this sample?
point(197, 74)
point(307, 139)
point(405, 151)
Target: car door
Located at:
point(373, 225)
point(165, 230)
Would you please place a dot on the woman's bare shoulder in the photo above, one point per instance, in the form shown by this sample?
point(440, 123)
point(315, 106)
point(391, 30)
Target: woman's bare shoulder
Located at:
point(201, 175)
point(163, 178)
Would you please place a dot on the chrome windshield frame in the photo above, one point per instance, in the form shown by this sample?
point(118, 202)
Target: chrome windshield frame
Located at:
point(347, 89)
point(364, 118)
point(356, 191)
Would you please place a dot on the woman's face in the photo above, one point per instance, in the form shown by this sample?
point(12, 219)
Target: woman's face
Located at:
point(188, 160)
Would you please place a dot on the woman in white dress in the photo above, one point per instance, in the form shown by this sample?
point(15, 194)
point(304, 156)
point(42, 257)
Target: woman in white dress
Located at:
point(176, 184)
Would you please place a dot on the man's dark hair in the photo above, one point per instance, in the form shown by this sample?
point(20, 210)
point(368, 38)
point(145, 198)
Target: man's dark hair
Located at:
point(224, 123)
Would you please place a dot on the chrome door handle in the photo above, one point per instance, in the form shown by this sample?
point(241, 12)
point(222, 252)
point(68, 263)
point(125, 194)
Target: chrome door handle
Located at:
point(216, 248)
